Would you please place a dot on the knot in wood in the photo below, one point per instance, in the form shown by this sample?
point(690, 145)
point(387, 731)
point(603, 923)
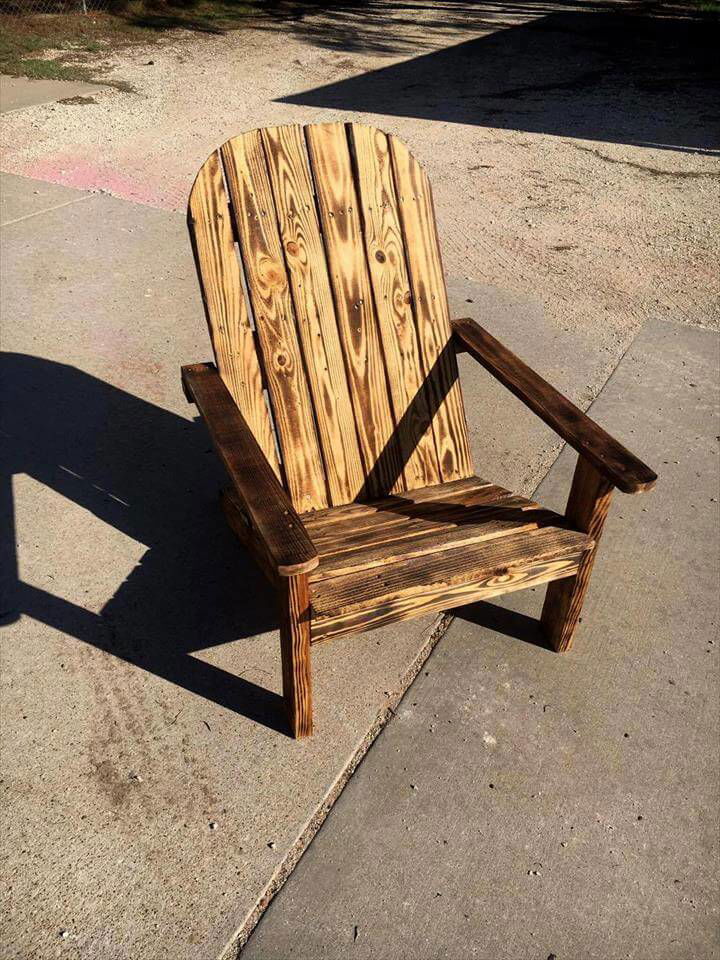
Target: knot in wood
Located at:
point(273, 275)
point(380, 256)
point(292, 248)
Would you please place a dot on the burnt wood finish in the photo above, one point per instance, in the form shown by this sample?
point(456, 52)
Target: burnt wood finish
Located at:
point(259, 243)
point(609, 457)
point(587, 509)
point(266, 503)
point(393, 305)
point(336, 408)
point(385, 545)
point(336, 191)
point(417, 217)
point(458, 491)
point(441, 580)
point(231, 332)
point(295, 652)
point(312, 297)
point(239, 522)
point(409, 521)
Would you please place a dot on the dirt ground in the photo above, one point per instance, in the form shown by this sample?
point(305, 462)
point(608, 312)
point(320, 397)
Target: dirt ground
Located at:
point(573, 148)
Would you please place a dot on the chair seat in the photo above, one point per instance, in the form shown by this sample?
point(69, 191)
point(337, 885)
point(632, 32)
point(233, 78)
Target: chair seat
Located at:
point(431, 549)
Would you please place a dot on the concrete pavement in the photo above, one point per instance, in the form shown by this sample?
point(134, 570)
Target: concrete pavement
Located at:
point(527, 805)
point(140, 652)
point(16, 93)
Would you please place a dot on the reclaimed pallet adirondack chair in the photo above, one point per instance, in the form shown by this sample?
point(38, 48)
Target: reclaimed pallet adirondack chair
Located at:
point(335, 405)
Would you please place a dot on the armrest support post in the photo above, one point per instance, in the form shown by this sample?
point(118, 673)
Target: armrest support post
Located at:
point(587, 509)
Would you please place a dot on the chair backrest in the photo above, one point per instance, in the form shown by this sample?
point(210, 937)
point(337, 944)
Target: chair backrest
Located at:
point(321, 275)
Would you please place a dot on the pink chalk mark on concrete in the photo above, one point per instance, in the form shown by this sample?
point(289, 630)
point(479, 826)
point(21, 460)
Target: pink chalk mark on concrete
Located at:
point(83, 174)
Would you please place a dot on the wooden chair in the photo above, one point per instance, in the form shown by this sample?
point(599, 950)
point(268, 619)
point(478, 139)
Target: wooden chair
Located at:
point(335, 405)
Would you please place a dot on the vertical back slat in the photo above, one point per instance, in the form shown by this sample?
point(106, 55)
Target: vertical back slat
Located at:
point(220, 275)
point(393, 305)
point(417, 218)
point(332, 173)
point(310, 286)
point(259, 240)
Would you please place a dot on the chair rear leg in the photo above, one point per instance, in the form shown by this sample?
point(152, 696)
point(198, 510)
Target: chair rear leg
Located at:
point(295, 652)
point(587, 508)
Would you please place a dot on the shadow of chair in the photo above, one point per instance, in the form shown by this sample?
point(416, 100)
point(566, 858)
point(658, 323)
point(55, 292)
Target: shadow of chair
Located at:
point(153, 476)
point(511, 623)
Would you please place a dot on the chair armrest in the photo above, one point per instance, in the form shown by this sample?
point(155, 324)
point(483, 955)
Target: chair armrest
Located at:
point(270, 511)
point(609, 457)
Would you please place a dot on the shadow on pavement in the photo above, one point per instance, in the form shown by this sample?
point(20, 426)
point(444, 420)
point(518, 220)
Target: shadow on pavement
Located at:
point(153, 476)
point(598, 75)
point(511, 623)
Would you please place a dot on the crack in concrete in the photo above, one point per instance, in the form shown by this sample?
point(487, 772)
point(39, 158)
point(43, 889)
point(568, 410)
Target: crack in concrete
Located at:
point(39, 213)
point(235, 946)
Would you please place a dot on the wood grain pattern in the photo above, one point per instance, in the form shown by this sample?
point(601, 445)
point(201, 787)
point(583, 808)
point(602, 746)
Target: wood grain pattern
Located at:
point(459, 491)
point(390, 545)
point(295, 653)
point(432, 315)
point(410, 520)
point(337, 202)
point(587, 510)
point(330, 626)
point(259, 240)
point(265, 501)
point(393, 304)
point(442, 569)
point(420, 585)
point(312, 297)
point(609, 457)
point(231, 334)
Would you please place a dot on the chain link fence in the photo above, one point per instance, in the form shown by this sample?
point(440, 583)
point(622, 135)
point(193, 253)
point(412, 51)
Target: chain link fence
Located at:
point(24, 7)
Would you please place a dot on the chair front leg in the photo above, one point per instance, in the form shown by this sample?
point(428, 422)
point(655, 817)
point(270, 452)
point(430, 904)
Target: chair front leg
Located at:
point(295, 652)
point(587, 508)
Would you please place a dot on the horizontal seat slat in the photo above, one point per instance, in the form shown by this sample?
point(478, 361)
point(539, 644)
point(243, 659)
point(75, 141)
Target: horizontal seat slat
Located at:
point(428, 518)
point(418, 542)
point(406, 588)
point(459, 490)
point(417, 520)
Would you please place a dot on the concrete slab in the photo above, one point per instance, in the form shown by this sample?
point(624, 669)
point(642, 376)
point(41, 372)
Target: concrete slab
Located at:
point(21, 197)
point(141, 673)
point(17, 93)
point(523, 804)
